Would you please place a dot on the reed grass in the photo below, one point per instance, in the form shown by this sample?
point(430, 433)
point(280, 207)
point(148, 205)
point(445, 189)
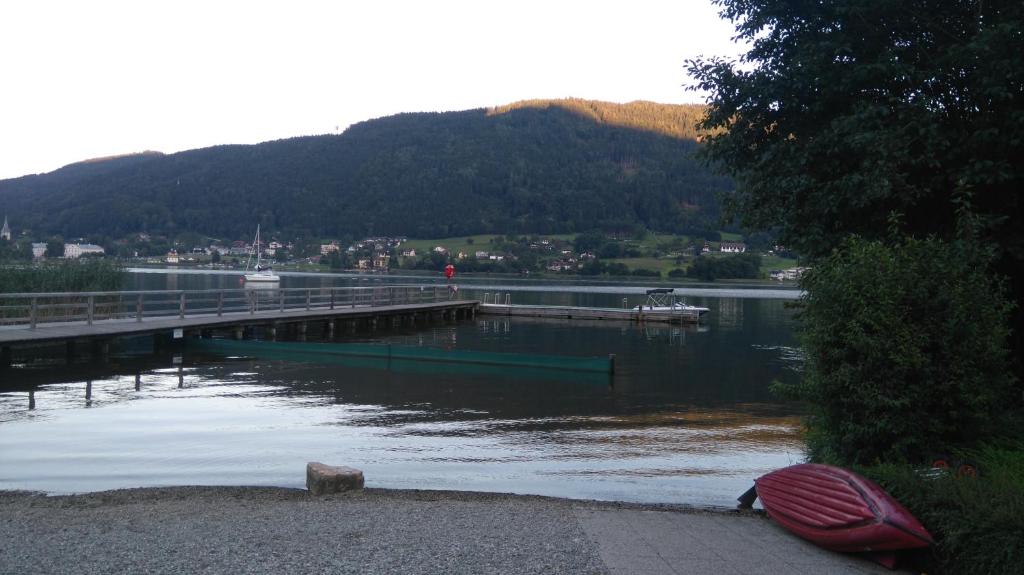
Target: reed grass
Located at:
point(65, 276)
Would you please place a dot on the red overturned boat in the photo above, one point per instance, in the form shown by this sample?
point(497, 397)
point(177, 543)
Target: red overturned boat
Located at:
point(839, 510)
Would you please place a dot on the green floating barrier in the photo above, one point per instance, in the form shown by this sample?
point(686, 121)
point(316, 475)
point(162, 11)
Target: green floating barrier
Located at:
point(411, 358)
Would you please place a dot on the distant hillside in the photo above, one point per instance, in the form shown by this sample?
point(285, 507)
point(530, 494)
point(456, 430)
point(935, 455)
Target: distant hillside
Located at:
point(540, 166)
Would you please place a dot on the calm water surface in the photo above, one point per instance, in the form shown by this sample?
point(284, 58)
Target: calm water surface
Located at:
point(687, 417)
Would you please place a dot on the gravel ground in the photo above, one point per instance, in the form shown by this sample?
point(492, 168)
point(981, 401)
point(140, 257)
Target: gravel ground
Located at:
point(270, 530)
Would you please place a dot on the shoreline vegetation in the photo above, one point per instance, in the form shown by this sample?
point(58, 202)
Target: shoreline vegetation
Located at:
point(89, 274)
point(912, 318)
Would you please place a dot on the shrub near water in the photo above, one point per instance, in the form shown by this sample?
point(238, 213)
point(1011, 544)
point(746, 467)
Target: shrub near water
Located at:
point(906, 351)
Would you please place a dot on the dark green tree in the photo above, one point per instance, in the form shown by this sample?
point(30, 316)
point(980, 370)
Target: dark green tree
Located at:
point(55, 247)
point(861, 116)
point(847, 111)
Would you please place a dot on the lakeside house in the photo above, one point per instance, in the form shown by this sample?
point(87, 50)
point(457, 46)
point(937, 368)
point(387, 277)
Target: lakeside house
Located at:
point(75, 251)
point(733, 247)
point(38, 250)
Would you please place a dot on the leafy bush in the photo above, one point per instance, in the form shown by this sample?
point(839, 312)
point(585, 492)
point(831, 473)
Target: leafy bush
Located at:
point(644, 272)
point(906, 351)
point(676, 273)
point(978, 523)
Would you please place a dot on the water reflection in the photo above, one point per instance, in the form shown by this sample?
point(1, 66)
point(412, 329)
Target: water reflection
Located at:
point(687, 417)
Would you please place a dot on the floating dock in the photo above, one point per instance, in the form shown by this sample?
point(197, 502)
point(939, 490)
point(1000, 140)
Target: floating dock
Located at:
point(596, 313)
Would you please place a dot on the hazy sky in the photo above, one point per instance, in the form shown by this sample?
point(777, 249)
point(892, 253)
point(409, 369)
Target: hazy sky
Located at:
point(89, 78)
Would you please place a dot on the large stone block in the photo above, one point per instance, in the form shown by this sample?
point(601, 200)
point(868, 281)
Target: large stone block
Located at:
point(321, 479)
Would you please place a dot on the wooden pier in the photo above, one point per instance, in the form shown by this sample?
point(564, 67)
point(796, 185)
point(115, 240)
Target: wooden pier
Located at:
point(96, 318)
point(595, 313)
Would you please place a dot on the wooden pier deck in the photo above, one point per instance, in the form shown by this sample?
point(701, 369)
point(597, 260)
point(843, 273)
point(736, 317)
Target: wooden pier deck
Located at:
point(594, 313)
point(28, 319)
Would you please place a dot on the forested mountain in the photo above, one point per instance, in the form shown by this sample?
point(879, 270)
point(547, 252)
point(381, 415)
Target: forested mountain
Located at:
point(540, 166)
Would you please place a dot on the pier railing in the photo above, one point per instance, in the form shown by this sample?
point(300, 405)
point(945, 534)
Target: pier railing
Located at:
point(32, 309)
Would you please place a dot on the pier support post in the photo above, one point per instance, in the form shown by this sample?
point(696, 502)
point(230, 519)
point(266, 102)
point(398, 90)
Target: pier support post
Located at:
point(330, 324)
point(69, 350)
point(32, 399)
point(138, 382)
point(272, 332)
point(88, 390)
point(302, 330)
point(5, 356)
point(239, 332)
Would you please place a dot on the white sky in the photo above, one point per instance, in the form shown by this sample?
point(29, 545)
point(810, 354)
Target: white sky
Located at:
point(89, 78)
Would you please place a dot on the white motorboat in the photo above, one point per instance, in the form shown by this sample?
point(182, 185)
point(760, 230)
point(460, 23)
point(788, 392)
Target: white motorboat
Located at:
point(662, 300)
point(260, 273)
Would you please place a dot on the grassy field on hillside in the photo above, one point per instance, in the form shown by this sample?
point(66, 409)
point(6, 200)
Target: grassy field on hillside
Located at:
point(662, 265)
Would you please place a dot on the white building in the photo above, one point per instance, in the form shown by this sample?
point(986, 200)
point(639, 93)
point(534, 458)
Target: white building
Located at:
point(38, 250)
point(75, 251)
point(733, 248)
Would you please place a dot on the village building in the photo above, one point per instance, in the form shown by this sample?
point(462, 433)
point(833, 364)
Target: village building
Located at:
point(75, 251)
point(733, 247)
point(38, 250)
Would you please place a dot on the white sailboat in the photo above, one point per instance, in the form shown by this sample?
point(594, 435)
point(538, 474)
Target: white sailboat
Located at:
point(260, 272)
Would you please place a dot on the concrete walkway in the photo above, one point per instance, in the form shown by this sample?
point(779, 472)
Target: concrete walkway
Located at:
point(270, 530)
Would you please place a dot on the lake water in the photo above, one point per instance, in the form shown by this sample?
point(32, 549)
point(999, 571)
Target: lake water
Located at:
point(686, 418)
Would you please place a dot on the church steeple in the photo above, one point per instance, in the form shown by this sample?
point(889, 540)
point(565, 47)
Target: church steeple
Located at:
point(5, 232)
